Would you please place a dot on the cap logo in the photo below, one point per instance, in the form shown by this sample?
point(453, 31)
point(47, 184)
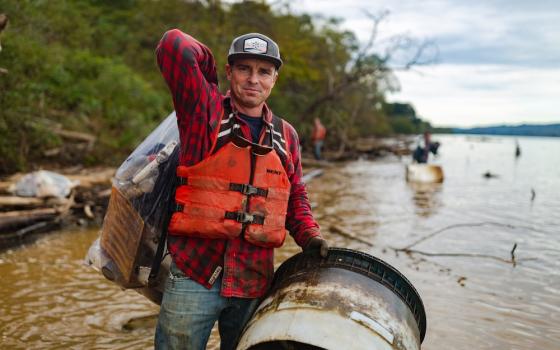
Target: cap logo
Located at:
point(255, 45)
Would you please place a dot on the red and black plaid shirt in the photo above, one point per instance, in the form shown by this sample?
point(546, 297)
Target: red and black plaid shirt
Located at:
point(190, 72)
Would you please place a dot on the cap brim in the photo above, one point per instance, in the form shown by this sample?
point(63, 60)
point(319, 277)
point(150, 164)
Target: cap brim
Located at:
point(277, 62)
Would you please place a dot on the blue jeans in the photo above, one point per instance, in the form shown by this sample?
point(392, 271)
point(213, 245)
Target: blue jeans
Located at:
point(317, 147)
point(189, 310)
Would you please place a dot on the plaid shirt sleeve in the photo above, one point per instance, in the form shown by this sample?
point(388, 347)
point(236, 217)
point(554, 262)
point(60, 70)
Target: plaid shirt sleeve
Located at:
point(299, 219)
point(189, 69)
point(190, 72)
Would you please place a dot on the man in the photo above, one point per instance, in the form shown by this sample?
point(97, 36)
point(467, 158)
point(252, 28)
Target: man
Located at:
point(240, 189)
point(421, 153)
point(318, 138)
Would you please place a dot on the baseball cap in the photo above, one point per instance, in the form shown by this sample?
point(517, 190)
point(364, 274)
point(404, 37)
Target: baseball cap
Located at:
point(255, 45)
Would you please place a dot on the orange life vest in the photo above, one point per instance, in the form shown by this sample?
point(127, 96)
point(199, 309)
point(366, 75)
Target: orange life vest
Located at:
point(319, 133)
point(242, 188)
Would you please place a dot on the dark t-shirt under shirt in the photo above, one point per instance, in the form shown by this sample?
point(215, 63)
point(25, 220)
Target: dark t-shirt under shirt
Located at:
point(255, 124)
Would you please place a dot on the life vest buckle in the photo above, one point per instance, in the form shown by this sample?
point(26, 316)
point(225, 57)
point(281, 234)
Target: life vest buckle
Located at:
point(249, 190)
point(245, 218)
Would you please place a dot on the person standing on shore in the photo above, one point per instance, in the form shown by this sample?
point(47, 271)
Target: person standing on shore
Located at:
point(240, 188)
point(318, 138)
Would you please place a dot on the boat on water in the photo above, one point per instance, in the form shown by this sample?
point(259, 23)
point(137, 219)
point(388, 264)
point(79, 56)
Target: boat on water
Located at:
point(426, 173)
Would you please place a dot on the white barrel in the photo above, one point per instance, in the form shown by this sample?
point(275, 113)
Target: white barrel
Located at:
point(350, 300)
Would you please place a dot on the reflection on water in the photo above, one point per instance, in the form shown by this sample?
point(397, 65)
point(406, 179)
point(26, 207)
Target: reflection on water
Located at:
point(51, 301)
point(426, 197)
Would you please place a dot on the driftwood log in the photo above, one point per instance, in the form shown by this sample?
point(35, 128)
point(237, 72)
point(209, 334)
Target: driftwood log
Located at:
point(14, 201)
point(23, 217)
point(311, 175)
point(18, 218)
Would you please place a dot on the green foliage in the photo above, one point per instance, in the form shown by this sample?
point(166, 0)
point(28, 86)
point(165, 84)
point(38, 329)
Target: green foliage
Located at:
point(89, 66)
point(55, 82)
point(403, 119)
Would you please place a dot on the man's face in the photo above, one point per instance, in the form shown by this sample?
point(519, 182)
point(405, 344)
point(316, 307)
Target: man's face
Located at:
point(251, 81)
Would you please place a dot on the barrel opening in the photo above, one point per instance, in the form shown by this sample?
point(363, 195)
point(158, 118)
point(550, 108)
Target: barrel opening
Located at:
point(284, 345)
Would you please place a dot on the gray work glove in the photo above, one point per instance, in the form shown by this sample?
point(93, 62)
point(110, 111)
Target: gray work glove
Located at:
point(317, 243)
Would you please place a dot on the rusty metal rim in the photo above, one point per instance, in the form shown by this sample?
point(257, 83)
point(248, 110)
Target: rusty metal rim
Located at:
point(363, 264)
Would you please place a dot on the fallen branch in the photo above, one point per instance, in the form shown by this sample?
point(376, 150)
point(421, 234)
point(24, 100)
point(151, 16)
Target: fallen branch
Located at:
point(512, 261)
point(312, 174)
point(100, 177)
point(75, 135)
point(105, 193)
point(20, 201)
point(88, 212)
point(18, 218)
point(425, 238)
point(4, 186)
point(310, 162)
point(35, 227)
point(24, 234)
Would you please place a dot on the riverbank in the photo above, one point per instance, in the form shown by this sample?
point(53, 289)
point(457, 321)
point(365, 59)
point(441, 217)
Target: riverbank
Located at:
point(24, 218)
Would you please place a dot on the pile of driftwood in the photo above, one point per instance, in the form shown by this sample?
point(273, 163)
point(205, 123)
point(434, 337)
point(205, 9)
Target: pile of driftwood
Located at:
point(371, 148)
point(23, 217)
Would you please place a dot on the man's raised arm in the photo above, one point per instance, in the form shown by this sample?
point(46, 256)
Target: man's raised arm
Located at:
point(188, 68)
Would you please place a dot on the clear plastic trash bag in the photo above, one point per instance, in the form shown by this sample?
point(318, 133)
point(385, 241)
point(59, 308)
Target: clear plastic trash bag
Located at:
point(139, 210)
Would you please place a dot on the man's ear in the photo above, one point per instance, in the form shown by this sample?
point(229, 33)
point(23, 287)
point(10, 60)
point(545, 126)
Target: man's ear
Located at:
point(228, 71)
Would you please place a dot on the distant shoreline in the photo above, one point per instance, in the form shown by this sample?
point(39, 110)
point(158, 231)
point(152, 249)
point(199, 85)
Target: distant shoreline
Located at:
point(549, 130)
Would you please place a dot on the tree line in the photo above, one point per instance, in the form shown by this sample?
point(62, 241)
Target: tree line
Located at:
point(85, 71)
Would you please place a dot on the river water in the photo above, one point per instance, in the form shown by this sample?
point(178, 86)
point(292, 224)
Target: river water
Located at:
point(49, 300)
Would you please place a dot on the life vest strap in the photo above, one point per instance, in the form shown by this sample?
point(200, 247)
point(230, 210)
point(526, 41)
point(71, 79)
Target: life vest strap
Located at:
point(248, 190)
point(182, 181)
point(245, 218)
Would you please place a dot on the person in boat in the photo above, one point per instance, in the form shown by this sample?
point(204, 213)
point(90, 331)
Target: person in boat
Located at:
point(318, 135)
point(240, 188)
point(423, 150)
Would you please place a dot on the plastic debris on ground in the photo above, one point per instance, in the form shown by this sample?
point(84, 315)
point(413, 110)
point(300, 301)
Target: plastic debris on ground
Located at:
point(43, 184)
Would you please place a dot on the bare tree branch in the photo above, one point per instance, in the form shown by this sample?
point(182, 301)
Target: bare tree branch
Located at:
point(368, 64)
point(476, 224)
point(512, 261)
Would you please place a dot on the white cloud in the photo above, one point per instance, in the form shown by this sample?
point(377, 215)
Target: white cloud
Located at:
point(467, 95)
point(500, 59)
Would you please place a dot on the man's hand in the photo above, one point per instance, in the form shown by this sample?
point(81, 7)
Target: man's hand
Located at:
point(317, 243)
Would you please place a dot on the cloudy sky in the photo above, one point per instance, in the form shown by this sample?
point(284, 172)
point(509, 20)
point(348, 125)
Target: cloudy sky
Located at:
point(498, 63)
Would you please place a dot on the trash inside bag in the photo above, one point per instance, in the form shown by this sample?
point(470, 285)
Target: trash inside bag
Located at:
point(139, 172)
point(43, 184)
point(96, 258)
point(138, 213)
